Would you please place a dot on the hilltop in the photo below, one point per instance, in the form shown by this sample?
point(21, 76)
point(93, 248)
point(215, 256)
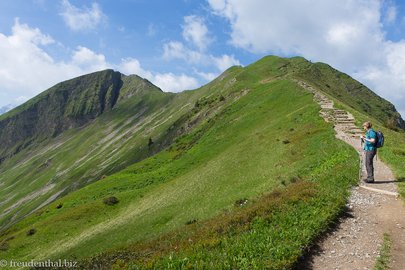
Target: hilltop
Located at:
point(241, 167)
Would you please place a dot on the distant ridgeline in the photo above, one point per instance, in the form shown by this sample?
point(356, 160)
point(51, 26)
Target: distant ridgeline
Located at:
point(67, 105)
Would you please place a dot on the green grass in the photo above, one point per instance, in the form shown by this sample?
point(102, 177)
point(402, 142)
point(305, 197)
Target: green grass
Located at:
point(239, 153)
point(252, 135)
point(350, 92)
point(353, 97)
point(269, 232)
point(392, 153)
point(384, 256)
point(84, 155)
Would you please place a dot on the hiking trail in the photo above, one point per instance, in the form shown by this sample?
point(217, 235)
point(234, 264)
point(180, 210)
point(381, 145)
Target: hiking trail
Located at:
point(372, 209)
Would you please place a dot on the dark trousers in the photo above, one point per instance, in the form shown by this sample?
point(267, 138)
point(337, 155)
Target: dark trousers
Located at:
point(369, 164)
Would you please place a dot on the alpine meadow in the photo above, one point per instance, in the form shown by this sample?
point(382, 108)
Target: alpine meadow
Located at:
point(243, 173)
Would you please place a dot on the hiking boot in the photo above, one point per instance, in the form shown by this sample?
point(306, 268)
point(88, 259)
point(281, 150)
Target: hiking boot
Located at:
point(368, 181)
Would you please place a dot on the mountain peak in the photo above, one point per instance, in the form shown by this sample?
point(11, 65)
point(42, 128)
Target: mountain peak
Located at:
point(68, 104)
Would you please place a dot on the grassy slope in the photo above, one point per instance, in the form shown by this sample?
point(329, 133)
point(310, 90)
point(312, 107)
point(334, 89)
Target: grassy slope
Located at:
point(79, 155)
point(393, 152)
point(116, 139)
point(251, 147)
point(83, 155)
point(363, 105)
point(352, 93)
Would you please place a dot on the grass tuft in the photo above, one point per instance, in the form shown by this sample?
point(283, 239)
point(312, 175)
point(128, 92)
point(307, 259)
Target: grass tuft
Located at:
point(384, 257)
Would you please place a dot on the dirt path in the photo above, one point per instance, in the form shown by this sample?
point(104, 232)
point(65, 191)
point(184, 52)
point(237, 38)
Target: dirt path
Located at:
point(356, 240)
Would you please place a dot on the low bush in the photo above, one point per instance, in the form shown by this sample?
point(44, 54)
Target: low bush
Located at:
point(31, 231)
point(111, 200)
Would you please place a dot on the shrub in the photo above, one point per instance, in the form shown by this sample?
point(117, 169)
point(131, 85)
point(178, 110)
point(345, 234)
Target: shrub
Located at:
point(111, 200)
point(59, 206)
point(191, 222)
point(4, 246)
point(31, 232)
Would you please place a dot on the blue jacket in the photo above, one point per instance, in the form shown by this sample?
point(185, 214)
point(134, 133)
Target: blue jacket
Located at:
point(369, 146)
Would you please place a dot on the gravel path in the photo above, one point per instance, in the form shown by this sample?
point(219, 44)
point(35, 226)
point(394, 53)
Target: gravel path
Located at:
point(356, 240)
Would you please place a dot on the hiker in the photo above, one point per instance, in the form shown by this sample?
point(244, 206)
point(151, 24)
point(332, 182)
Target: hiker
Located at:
point(369, 140)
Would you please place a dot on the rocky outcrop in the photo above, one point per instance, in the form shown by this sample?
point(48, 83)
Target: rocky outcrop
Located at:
point(67, 105)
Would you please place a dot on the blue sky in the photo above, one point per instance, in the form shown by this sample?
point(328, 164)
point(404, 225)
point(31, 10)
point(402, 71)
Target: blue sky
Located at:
point(183, 44)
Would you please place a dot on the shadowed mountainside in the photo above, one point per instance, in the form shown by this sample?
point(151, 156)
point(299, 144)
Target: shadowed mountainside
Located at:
point(67, 105)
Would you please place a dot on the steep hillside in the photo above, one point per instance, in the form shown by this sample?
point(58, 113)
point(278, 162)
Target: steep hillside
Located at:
point(77, 132)
point(67, 105)
point(239, 173)
point(352, 93)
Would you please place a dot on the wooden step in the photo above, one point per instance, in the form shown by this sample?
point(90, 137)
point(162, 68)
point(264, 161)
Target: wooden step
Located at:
point(345, 122)
point(343, 117)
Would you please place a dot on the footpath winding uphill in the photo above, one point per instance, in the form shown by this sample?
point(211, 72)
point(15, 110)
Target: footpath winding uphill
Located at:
point(372, 211)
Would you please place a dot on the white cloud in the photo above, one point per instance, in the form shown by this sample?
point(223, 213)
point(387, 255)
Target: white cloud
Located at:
point(207, 76)
point(86, 59)
point(21, 99)
point(196, 32)
point(347, 34)
point(25, 66)
point(166, 81)
point(174, 50)
point(225, 61)
point(197, 39)
point(133, 66)
point(174, 83)
point(27, 69)
point(177, 50)
point(81, 19)
point(316, 30)
point(24, 34)
point(389, 78)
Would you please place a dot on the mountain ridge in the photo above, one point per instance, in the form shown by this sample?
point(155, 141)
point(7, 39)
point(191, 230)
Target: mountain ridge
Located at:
point(158, 141)
point(69, 104)
point(111, 95)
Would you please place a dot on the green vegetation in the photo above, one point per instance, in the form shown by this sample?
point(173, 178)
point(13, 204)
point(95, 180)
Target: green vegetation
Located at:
point(383, 259)
point(355, 98)
point(239, 153)
point(392, 153)
point(241, 173)
point(350, 92)
point(58, 165)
